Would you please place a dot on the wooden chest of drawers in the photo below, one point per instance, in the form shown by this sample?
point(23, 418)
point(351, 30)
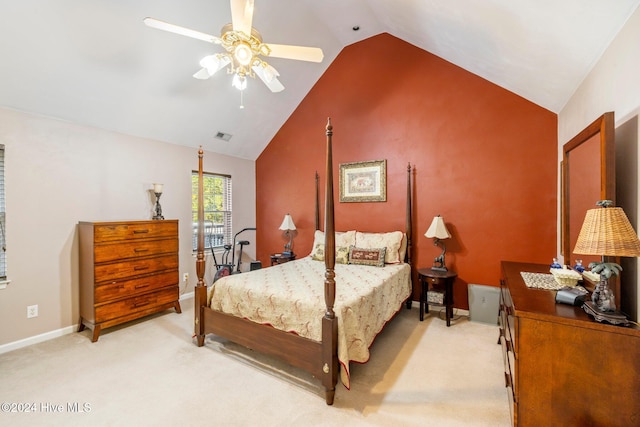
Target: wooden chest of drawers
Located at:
point(561, 367)
point(127, 270)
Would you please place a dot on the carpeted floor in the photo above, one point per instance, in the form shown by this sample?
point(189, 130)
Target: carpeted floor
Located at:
point(150, 373)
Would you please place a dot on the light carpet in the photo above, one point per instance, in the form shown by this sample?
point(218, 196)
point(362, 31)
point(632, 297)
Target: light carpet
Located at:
point(150, 373)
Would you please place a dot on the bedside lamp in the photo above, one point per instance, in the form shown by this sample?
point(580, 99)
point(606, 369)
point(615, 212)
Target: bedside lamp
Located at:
point(606, 231)
point(438, 230)
point(288, 226)
point(157, 190)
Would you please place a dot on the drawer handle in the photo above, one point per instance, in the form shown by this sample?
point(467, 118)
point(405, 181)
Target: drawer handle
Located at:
point(141, 304)
point(141, 250)
point(140, 231)
point(141, 267)
point(143, 285)
point(501, 332)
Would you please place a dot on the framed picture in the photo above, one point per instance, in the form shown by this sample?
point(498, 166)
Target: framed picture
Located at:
point(363, 181)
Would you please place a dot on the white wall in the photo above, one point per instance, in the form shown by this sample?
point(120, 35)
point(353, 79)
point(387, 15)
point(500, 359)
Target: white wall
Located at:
point(612, 85)
point(58, 173)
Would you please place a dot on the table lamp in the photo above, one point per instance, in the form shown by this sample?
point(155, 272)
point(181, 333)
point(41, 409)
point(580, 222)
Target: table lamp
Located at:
point(606, 231)
point(288, 226)
point(438, 230)
point(157, 190)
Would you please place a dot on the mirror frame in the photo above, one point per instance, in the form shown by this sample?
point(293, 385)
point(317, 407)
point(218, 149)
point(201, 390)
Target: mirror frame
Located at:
point(603, 125)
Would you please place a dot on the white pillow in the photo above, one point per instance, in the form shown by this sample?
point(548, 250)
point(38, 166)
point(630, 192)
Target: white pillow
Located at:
point(343, 238)
point(393, 241)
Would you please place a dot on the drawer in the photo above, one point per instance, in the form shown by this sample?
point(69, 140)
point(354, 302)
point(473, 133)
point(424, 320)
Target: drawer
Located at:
point(133, 249)
point(134, 230)
point(127, 288)
point(120, 308)
point(135, 267)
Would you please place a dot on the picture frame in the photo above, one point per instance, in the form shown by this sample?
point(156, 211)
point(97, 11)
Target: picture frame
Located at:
point(363, 181)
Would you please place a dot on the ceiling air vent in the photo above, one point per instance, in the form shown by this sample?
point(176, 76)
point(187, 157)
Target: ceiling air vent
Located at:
point(223, 136)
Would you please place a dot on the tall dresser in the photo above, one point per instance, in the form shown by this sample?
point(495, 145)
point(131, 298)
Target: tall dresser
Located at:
point(561, 367)
point(127, 270)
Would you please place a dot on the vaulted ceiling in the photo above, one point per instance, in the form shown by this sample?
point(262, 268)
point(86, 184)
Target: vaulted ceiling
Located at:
point(95, 63)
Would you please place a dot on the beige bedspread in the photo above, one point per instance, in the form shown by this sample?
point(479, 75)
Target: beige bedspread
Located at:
point(290, 297)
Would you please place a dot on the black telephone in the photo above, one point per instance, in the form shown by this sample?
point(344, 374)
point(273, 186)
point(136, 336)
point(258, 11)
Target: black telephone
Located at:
point(571, 295)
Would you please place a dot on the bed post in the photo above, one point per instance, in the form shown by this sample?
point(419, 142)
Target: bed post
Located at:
point(329, 321)
point(317, 202)
point(408, 224)
point(200, 290)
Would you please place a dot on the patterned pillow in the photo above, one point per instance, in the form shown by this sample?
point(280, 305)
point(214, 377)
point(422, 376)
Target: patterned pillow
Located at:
point(342, 253)
point(343, 238)
point(366, 256)
point(393, 241)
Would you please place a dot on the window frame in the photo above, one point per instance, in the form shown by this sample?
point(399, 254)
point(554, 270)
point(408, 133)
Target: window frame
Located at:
point(4, 281)
point(222, 227)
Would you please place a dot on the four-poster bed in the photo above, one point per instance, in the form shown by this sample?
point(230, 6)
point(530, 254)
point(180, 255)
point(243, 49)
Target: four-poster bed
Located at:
point(316, 339)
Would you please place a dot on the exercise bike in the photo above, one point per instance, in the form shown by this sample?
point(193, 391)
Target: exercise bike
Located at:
point(226, 268)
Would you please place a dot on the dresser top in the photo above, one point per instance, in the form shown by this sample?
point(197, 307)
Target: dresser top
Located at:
point(136, 221)
point(540, 304)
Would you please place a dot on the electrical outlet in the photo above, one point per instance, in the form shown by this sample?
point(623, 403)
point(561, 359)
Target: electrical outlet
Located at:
point(185, 277)
point(32, 311)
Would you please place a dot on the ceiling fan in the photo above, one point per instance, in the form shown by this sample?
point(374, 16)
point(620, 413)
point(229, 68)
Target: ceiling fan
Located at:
point(243, 47)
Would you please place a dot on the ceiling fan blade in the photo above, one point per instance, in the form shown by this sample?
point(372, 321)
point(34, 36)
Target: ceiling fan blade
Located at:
point(165, 26)
point(301, 53)
point(242, 15)
point(212, 64)
point(203, 74)
point(269, 76)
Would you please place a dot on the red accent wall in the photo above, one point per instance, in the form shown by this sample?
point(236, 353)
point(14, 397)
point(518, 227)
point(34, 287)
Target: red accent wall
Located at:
point(485, 159)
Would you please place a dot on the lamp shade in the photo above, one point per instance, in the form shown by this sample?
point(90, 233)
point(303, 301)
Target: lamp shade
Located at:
point(437, 229)
point(287, 223)
point(607, 231)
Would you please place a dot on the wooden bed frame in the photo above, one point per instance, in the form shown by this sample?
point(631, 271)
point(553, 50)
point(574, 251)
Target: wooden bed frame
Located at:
point(320, 359)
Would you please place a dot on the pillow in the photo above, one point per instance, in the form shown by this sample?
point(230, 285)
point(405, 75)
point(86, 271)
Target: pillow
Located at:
point(367, 256)
point(403, 248)
point(342, 253)
point(343, 238)
point(392, 241)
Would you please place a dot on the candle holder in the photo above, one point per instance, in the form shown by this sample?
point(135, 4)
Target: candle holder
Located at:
point(157, 190)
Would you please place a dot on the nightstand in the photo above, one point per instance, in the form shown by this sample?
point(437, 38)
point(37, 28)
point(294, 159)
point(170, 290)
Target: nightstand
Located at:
point(282, 258)
point(442, 280)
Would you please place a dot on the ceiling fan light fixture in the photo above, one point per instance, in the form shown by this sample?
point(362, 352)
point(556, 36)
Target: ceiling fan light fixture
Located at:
point(269, 72)
point(239, 82)
point(243, 54)
point(209, 62)
point(243, 49)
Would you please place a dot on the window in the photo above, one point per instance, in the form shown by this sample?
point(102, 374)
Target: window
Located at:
point(217, 209)
point(3, 242)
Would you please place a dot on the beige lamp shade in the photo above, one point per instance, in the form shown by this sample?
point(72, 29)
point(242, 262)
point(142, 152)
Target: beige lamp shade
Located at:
point(287, 223)
point(437, 229)
point(607, 231)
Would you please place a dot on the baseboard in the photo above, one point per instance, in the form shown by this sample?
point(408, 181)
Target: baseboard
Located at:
point(188, 295)
point(5, 348)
